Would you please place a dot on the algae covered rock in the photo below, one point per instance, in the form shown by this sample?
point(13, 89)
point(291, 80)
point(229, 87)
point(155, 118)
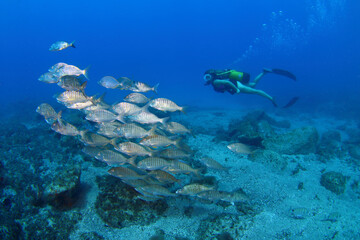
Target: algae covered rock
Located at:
point(223, 226)
point(118, 206)
point(91, 236)
point(298, 141)
point(330, 144)
point(63, 189)
point(9, 228)
point(252, 129)
point(269, 158)
point(334, 181)
point(354, 152)
point(50, 224)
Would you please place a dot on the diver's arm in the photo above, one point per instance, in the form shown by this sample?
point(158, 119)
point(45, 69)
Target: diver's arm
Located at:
point(219, 82)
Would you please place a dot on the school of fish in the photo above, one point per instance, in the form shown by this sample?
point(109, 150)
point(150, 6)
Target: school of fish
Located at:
point(145, 151)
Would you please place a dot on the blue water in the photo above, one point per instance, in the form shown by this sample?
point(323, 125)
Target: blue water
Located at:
point(173, 43)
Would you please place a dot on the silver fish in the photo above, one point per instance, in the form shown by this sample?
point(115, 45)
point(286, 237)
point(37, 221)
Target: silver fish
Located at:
point(125, 109)
point(163, 177)
point(101, 115)
point(156, 190)
point(152, 163)
point(48, 112)
point(111, 158)
point(211, 163)
point(143, 87)
point(69, 97)
point(156, 141)
point(64, 128)
point(165, 105)
point(70, 70)
point(125, 173)
point(56, 67)
point(80, 105)
point(177, 128)
point(181, 167)
point(239, 148)
point(93, 139)
point(71, 83)
point(107, 129)
point(173, 153)
point(61, 45)
point(131, 130)
point(132, 149)
point(125, 83)
point(136, 98)
point(145, 117)
point(109, 82)
point(91, 151)
point(48, 78)
point(193, 189)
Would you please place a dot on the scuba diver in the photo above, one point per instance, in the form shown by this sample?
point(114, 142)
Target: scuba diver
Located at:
point(233, 81)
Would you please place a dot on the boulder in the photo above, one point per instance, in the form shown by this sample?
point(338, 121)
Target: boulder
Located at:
point(224, 226)
point(63, 190)
point(330, 145)
point(269, 158)
point(118, 205)
point(298, 141)
point(334, 181)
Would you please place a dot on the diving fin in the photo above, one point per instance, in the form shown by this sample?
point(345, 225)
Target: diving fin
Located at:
point(284, 73)
point(291, 102)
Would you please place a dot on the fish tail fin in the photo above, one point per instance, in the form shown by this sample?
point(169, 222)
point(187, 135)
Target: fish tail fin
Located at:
point(151, 131)
point(183, 110)
point(155, 88)
point(121, 118)
point(132, 161)
point(101, 98)
point(58, 117)
point(145, 107)
point(83, 133)
point(164, 120)
point(83, 86)
point(86, 72)
point(113, 142)
point(198, 171)
point(72, 44)
point(177, 142)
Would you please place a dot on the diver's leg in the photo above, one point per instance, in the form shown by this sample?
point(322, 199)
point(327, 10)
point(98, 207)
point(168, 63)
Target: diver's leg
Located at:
point(246, 89)
point(258, 77)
